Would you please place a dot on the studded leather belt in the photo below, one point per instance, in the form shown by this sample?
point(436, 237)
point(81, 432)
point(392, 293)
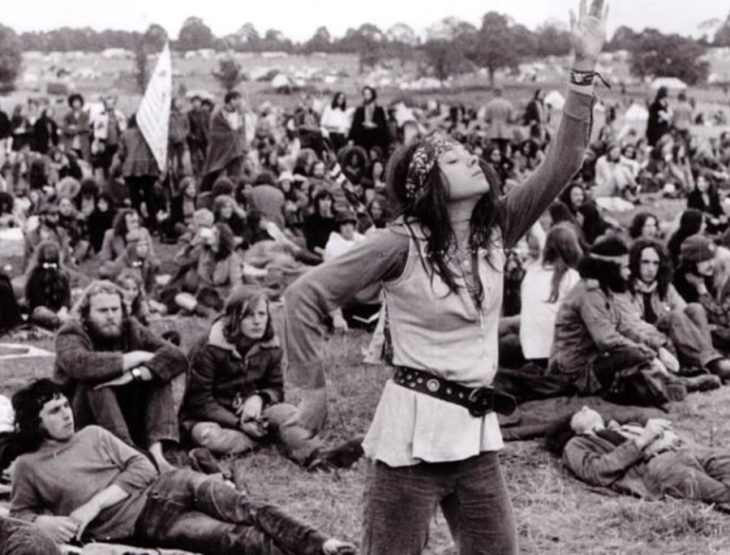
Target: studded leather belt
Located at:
point(478, 400)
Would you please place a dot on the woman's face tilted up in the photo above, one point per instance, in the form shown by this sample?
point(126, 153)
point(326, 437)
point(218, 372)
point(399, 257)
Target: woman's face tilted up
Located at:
point(464, 177)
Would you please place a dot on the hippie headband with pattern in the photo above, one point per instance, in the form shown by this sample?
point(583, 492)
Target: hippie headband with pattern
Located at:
point(424, 159)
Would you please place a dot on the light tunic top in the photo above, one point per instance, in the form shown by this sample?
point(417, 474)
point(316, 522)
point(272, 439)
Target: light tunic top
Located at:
point(537, 319)
point(431, 328)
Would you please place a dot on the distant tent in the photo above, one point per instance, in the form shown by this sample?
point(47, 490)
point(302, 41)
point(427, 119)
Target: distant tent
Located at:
point(671, 83)
point(281, 81)
point(555, 99)
point(635, 118)
point(636, 112)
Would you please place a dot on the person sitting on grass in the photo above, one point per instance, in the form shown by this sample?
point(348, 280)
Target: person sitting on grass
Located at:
point(91, 486)
point(659, 304)
point(649, 461)
point(234, 399)
point(126, 228)
point(117, 372)
point(136, 258)
point(48, 288)
point(595, 346)
point(208, 271)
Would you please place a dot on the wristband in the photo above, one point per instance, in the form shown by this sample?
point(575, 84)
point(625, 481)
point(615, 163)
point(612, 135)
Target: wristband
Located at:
point(582, 78)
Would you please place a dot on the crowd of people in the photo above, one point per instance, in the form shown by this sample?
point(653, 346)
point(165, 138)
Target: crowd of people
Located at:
point(342, 213)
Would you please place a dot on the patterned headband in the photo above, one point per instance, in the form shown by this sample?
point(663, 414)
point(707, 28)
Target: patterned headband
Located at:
point(424, 160)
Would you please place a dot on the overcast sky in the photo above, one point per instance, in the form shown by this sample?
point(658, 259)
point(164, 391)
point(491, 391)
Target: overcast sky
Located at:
point(299, 18)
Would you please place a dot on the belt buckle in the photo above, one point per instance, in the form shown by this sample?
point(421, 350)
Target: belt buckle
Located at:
point(480, 401)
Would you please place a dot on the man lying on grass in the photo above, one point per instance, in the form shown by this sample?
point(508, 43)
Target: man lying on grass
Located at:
point(648, 461)
point(90, 485)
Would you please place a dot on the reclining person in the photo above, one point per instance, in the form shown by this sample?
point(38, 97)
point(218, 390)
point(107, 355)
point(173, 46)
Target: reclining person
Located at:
point(648, 461)
point(594, 342)
point(659, 304)
point(117, 372)
point(90, 485)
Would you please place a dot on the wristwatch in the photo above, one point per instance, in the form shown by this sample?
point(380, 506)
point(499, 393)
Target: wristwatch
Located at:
point(136, 374)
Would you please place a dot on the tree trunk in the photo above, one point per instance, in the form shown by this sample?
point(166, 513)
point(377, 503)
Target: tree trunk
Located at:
point(491, 77)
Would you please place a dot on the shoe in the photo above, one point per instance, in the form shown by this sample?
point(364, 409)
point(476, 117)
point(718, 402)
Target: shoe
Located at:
point(202, 460)
point(721, 368)
point(705, 382)
point(341, 456)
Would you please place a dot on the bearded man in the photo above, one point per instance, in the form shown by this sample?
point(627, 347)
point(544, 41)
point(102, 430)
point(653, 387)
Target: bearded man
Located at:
point(594, 341)
point(117, 372)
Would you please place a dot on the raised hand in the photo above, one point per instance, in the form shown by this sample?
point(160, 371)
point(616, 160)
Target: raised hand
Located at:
point(588, 33)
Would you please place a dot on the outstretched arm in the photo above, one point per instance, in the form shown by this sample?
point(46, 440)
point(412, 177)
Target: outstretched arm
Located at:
point(524, 204)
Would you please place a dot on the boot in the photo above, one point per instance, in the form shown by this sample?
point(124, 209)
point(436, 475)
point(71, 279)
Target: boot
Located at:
point(703, 382)
point(340, 456)
point(721, 368)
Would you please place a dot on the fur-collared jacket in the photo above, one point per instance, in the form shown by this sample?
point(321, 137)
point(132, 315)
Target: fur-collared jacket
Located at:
point(221, 378)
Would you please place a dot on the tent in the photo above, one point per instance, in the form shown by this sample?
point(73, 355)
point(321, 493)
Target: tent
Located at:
point(281, 81)
point(637, 113)
point(671, 83)
point(555, 99)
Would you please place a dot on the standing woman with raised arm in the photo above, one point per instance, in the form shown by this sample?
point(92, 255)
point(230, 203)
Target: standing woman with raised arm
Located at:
point(434, 439)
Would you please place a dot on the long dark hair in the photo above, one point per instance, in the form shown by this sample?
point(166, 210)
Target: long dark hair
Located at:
point(335, 104)
point(664, 275)
point(562, 252)
point(226, 241)
point(689, 223)
point(120, 222)
point(638, 223)
point(54, 283)
point(27, 404)
point(430, 211)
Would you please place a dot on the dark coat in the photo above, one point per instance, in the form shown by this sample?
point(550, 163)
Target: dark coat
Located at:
point(82, 130)
point(224, 144)
point(221, 378)
point(45, 135)
point(367, 138)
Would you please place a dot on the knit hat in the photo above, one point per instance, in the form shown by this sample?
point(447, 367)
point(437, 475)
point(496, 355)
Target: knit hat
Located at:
point(697, 248)
point(610, 247)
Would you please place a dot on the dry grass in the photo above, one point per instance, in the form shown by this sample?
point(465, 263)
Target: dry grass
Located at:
point(555, 513)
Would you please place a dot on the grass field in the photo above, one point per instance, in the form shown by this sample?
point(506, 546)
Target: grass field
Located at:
point(555, 513)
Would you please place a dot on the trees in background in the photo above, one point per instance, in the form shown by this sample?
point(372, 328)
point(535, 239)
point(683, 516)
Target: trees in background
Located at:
point(659, 55)
point(450, 46)
point(11, 58)
point(194, 35)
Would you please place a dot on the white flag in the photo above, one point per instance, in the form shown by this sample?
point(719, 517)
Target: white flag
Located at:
point(153, 115)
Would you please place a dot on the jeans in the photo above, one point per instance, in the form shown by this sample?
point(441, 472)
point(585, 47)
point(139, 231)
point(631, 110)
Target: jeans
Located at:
point(702, 474)
point(690, 333)
point(139, 413)
point(400, 502)
point(20, 538)
point(298, 442)
point(187, 510)
point(612, 362)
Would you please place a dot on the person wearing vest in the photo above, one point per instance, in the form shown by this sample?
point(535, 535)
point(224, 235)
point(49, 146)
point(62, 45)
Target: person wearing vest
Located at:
point(434, 439)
